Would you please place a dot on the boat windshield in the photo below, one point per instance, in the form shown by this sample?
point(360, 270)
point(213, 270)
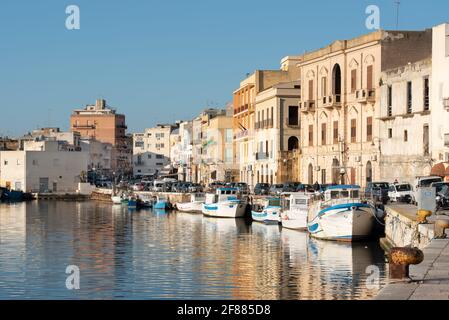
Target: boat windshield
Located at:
point(274, 202)
point(342, 194)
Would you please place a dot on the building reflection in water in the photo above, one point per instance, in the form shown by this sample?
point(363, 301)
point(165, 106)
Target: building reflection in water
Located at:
point(147, 255)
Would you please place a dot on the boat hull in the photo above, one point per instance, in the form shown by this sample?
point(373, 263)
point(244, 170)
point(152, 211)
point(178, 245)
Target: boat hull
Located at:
point(294, 220)
point(225, 210)
point(116, 200)
point(161, 205)
point(268, 216)
point(190, 207)
point(345, 222)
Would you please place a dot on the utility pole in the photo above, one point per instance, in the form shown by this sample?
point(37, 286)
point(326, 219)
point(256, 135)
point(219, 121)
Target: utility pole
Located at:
point(398, 4)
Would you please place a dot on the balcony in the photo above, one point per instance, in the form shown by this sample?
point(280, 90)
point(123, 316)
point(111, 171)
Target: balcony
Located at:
point(262, 156)
point(242, 134)
point(333, 101)
point(84, 126)
point(264, 124)
point(307, 106)
point(241, 109)
point(365, 96)
point(122, 126)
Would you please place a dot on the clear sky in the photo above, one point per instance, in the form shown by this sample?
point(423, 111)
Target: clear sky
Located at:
point(161, 61)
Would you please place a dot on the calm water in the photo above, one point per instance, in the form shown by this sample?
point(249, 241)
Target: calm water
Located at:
point(146, 255)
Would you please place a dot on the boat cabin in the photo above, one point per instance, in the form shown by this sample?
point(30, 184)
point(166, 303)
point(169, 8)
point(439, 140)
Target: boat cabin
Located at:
point(342, 192)
point(197, 197)
point(295, 201)
point(222, 194)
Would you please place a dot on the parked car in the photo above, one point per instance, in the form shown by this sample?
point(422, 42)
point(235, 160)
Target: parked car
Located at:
point(290, 186)
point(442, 195)
point(401, 192)
point(276, 189)
point(305, 188)
point(195, 188)
point(378, 191)
point(424, 182)
point(262, 189)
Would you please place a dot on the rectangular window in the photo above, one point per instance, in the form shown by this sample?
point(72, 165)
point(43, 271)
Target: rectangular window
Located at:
point(323, 134)
point(228, 155)
point(159, 156)
point(369, 129)
point(310, 90)
point(409, 97)
point(426, 140)
point(229, 135)
point(310, 135)
point(353, 130)
point(369, 77)
point(335, 135)
point(323, 176)
point(426, 94)
point(390, 133)
point(390, 102)
point(323, 86)
point(293, 116)
point(446, 139)
point(353, 80)
point(405, 135)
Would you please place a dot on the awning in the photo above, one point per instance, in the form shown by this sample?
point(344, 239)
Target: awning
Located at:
point(440, 170)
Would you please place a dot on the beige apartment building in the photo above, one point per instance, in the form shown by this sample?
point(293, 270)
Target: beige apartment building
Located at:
point(244, 124)
point(277, 132)
point(104, 124)
point(340, 103)
point(217, 145)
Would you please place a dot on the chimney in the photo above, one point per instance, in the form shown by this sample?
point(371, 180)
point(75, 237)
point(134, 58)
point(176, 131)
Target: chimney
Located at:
point(100, 104)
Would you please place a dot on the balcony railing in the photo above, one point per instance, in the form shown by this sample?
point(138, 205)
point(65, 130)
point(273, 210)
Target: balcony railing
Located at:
point(264, 124)
point(84, 126)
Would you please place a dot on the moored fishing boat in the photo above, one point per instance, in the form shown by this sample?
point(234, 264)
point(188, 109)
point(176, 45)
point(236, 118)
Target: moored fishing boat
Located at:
point(195, 205)
point(132, 203)
point(268, 212)
point(225, 203)
point(162, 203)
point(117, 199)
point(295, 208)
point(342, 214)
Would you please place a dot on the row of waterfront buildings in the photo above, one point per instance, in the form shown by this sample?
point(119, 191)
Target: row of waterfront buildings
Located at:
point(371, 108)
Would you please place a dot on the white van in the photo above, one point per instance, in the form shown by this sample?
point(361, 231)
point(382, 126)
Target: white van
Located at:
point(401, 192)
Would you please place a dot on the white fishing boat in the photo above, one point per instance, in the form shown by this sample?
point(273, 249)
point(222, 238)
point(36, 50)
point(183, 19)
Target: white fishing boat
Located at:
point(225, 203)
point(342, 215)
point(267, 212)
point(195, 205)
point(295, 208)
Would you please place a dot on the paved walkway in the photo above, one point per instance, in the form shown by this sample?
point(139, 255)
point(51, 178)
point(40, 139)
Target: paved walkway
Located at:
point(430, 278)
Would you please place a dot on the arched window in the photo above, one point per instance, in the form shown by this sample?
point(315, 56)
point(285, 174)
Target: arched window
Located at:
point(310, 178)
point(336, 80)
point(293, 143)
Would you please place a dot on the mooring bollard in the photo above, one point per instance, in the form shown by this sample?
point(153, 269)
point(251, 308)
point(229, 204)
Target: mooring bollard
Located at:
point(440, 228)
point(400, 260)
point(423, 215)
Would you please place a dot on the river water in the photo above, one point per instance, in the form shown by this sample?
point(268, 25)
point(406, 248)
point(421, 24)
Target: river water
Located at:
point(152, 255)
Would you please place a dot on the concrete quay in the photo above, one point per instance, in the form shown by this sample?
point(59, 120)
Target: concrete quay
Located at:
point(430, 279)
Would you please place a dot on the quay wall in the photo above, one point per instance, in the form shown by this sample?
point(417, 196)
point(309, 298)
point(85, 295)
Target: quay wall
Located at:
point(402, 228)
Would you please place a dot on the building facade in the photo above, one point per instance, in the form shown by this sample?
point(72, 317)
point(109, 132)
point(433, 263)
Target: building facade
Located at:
point(244, 103)
point(439, 100)
point(340, 103)
point(42, 167)
point(103, 123)
point(277, 131)
point(151, 150)
point(404, 123)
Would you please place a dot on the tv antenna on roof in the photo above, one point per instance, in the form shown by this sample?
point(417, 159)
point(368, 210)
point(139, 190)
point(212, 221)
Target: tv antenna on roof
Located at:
point(398, 4)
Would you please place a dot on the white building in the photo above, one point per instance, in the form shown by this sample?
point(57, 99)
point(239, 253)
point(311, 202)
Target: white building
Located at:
point(100, 155)
point(405, 122)
point(439, 100)
point(43, 166)
point(151, 150)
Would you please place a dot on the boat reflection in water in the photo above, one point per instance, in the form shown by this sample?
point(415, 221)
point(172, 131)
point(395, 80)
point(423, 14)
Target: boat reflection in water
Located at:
point(149, 255)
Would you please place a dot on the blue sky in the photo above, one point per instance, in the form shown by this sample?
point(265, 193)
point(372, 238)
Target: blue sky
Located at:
point(160, 61)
